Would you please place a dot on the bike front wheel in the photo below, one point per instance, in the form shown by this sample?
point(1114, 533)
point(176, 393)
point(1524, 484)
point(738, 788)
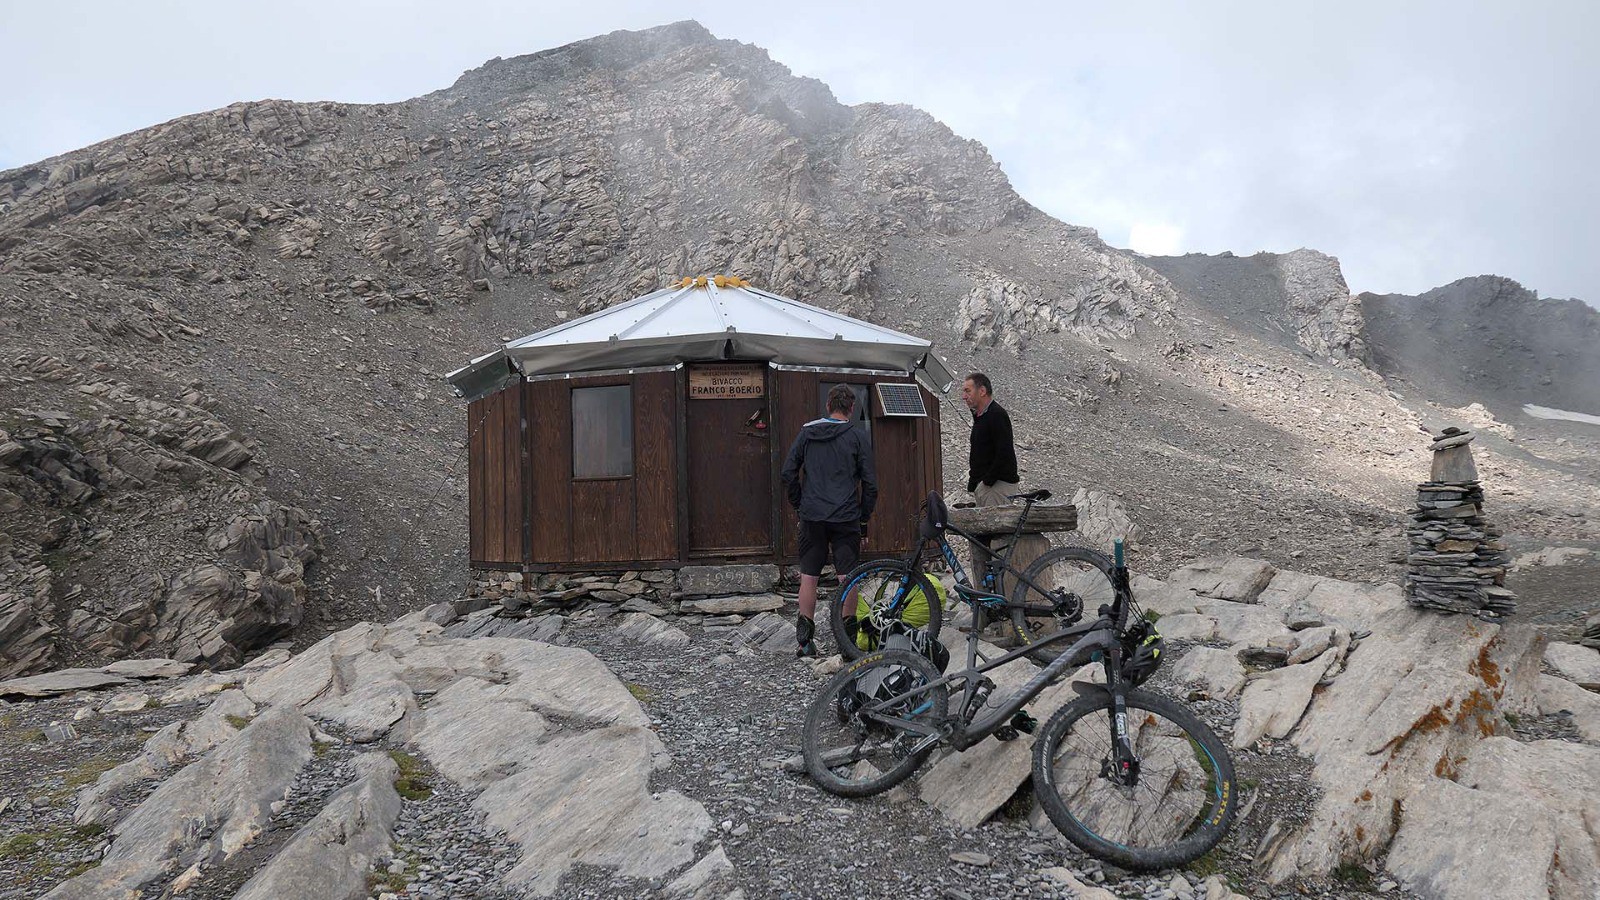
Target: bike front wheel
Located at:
point(869, 591)
point(1178, 808)
point(852, 753)
point(1074, 572)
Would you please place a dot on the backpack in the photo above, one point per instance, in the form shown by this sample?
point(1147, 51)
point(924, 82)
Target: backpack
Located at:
point(915, 614)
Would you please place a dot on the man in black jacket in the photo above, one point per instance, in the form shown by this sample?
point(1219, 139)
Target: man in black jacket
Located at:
point(992, 459)
point(834, 456)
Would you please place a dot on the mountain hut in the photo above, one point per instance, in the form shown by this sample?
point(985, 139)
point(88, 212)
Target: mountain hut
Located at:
point(651, 434)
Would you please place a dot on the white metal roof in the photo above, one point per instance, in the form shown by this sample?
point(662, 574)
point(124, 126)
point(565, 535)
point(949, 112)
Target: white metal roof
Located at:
point(699, 320)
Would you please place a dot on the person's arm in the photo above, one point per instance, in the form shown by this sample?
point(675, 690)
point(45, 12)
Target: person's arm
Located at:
point(1002, 438)
point(791, 470)
point(867, 471)
point(981, 457)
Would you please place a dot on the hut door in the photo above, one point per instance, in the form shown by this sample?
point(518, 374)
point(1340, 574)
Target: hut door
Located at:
point(730, 461)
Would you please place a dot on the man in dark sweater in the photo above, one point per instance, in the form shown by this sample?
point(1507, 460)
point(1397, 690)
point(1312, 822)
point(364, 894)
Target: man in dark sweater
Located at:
point(992, 460)
point(833, 456)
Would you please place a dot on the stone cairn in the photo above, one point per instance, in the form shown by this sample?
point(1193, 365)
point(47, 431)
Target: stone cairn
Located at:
point(1457, 559)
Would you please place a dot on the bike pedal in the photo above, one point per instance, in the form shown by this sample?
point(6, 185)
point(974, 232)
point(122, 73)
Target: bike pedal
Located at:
point(1005, 733)
point(1024, 723)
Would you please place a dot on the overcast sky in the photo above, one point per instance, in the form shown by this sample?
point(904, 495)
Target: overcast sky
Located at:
point(1418, 142)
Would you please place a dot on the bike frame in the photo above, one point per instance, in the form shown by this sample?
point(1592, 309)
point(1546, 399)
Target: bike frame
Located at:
point(1091, 639)
point(964, 586)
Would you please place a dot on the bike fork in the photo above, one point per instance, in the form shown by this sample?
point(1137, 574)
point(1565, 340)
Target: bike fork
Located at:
point(1123, 767)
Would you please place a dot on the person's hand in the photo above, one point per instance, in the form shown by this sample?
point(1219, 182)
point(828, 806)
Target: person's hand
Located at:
point(863, 534)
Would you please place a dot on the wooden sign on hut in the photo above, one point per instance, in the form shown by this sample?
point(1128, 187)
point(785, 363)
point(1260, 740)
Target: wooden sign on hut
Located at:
point(650, 434)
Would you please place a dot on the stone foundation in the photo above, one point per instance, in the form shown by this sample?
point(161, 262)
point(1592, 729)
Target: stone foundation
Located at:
point(658, 592)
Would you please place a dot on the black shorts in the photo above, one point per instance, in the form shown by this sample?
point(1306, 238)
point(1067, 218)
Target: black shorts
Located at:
point(817, 537)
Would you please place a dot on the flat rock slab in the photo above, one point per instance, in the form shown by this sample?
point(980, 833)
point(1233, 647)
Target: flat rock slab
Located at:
point(330, 856)
point(64, 681)
point(1558, 695)
point(769, 632)
point(559, 750)
point(1579, 665)
point(743, 605)
point(1217, 672)
point(1064, 877)
point(738, 579)
point(1544, 793)
point(1420, 689)
point(126, 702)
point(707, 879)
point(1312, 600)
point(646, 628)
point(1272, 704)
point(230, 791)
point(148, 668)
point(1232, 578)
point(168, 748)
point(1187, 627)
point(487, 624)
point(585, 799)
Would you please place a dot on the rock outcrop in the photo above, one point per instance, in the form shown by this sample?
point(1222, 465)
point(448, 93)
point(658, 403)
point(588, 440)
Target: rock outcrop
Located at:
point(560, 760)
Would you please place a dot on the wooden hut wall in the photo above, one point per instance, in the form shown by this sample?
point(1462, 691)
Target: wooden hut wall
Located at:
point(897, 453)
point(796, 405)
point(604, 522)
point(495, 496)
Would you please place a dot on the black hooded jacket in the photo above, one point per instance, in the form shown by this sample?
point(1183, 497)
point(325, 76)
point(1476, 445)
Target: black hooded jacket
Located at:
point(834, 455)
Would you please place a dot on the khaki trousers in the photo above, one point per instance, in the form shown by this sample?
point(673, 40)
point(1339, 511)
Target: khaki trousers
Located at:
point(994, 494)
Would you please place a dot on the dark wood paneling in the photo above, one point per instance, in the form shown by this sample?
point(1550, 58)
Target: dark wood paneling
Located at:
point(796, 405)
point(730, 475)
point(512, 516)
point(603, 520)
point(476, 476)
point(494, 479)
point(549, 407)
point(655, 438)
point(899, 465)
point(526, 470)
point(494, 522)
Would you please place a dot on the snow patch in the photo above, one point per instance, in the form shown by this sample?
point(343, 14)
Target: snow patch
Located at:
point(1545, 412)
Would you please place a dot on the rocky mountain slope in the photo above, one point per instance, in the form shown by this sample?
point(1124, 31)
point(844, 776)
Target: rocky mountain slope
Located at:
point(1488, 340)
point(239, 319)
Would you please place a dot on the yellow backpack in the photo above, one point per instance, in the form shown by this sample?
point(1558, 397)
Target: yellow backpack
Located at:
point(915, 613)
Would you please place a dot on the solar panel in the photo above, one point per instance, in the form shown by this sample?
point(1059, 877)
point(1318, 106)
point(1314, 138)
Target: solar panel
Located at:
point(901, 400)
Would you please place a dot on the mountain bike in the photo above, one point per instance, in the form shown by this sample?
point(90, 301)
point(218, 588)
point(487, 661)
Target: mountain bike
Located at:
point(1131, 777)
point(877, 593)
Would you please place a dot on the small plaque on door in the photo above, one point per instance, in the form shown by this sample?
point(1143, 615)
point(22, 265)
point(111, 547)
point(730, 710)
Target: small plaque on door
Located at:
point(727, 383)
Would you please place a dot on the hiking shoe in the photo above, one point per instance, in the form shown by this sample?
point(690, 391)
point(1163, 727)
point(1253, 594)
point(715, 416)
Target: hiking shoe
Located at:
point(805, 630)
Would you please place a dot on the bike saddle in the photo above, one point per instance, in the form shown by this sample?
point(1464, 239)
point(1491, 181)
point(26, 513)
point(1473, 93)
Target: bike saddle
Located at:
point(1038, 496)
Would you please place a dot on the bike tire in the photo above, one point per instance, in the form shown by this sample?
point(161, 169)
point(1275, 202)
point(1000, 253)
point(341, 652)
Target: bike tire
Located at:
point(1090, 574)
point(878, 575)
point(826, 711)
point(1207, 758)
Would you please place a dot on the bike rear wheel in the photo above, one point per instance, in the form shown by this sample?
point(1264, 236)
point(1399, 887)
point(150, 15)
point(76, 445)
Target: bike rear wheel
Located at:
point(876, 584)
point(853, 755)
point(1181, 805)
point(1078, 571)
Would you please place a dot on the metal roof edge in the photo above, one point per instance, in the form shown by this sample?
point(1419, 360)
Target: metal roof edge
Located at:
point(911, 338)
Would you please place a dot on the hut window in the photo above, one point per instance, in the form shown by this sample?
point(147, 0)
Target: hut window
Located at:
point(602, 432)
